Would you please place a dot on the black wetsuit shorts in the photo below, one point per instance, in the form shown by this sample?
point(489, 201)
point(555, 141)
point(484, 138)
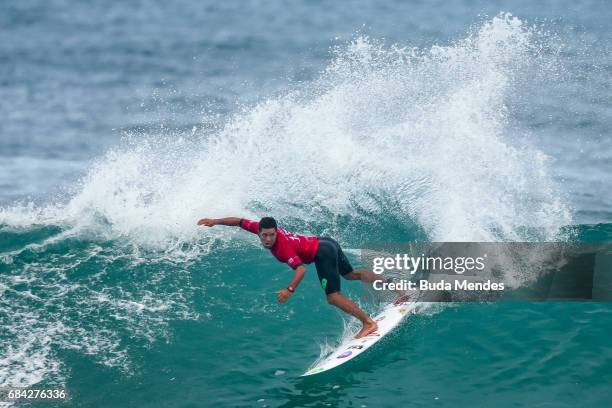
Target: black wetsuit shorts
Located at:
point(331, 263)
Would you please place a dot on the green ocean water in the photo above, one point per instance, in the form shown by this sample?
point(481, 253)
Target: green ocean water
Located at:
point(157, 332)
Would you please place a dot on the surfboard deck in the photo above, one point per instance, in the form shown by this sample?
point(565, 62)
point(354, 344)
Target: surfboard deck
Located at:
point(391, 316)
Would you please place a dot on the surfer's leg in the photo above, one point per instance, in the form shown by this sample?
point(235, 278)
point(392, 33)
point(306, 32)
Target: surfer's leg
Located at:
point(363, 275)
point(368, 276)
point(347, 305)
point(326, 262)
point(330, 263)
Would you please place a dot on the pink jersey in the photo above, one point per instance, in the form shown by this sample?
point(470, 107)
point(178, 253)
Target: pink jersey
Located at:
point(289, 248)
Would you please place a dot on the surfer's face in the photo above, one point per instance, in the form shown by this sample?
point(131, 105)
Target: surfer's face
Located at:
point(267, 236)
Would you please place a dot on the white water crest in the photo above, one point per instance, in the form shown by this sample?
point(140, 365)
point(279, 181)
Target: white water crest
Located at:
point(427, 130)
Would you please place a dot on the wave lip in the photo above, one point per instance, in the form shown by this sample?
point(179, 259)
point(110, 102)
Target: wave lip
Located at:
point(424, 130)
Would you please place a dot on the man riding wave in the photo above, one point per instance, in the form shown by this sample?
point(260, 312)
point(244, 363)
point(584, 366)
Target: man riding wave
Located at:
point(296, 251)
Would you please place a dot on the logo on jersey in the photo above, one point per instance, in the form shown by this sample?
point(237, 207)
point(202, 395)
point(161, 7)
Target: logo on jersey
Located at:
point(292, 236)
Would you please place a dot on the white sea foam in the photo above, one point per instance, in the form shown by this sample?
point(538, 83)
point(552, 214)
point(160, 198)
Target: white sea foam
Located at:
point(426, 129)
point(58, 302)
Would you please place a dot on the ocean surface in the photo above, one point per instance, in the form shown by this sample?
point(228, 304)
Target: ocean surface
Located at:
point(123, 123)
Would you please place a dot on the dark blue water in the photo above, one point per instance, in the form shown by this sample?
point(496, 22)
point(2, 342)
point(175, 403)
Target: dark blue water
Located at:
point(124, 123)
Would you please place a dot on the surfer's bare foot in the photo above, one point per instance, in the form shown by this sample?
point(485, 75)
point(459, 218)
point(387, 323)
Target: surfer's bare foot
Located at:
point(368, 328)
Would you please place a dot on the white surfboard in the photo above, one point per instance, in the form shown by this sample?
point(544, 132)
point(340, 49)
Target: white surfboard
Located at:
point(387, 320)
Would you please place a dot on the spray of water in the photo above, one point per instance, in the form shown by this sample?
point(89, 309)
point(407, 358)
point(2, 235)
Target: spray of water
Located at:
point(424, 129)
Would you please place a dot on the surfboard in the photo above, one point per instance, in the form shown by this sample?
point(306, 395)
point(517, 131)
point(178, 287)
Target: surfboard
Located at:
point(391, 316)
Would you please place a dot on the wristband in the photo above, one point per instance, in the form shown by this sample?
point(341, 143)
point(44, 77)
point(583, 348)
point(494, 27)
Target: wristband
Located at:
point(290, 288)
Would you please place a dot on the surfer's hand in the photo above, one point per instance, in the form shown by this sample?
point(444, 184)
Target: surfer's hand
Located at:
point(283, 295)
point(207, 222)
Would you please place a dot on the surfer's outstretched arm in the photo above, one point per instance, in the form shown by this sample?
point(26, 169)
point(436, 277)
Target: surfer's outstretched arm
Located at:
point(229, 221)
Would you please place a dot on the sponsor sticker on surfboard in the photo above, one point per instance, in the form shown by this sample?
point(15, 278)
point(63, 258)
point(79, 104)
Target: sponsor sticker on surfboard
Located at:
point(387, 320)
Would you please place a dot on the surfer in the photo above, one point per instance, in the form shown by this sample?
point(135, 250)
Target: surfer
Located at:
point(297, 250)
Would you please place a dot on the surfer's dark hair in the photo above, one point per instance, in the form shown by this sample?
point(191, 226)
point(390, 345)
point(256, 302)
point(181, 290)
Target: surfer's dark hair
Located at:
point(267, 222)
